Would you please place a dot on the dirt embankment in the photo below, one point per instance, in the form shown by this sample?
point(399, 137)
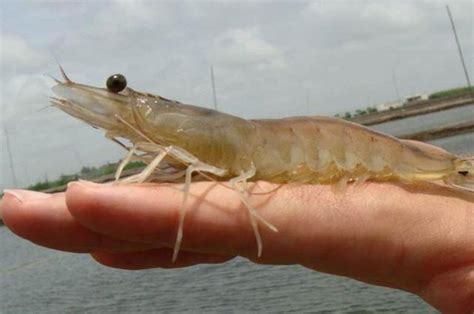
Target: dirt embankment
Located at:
point(445, 131)
point(418, 108)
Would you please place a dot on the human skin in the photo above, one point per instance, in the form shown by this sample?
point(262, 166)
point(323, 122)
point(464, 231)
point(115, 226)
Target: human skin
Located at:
point(414, 238)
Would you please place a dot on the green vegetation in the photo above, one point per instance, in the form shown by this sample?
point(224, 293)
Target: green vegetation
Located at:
point(359, 112)
point(86, 173)
point(454, 92)
point(44, 185)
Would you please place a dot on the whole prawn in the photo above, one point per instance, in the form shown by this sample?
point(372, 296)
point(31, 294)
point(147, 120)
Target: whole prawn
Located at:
point(177, 140)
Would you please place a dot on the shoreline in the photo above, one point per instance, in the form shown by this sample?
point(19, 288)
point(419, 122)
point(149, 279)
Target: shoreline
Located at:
point(419, 108)
point(441, 132)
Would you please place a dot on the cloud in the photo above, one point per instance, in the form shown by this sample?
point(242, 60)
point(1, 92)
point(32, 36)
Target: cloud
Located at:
point(18, 56)
point(23, 95)
point(245, 47)
point(398, 15)
point(22, 84)
point(120, 18)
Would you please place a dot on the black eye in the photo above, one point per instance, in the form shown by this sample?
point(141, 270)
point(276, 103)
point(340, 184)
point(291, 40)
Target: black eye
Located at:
point(116, 83)
point(463, 173)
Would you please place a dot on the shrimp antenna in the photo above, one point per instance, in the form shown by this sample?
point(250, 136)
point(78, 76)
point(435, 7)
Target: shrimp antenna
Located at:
point(63, 73)
point(66, 79)
point(53, 78)
point(45, 107)
point(50, 98)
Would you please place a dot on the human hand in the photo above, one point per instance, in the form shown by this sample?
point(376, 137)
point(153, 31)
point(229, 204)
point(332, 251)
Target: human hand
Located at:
point(417, 239)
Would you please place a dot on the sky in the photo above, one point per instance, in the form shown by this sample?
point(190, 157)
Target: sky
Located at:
point(271, 59)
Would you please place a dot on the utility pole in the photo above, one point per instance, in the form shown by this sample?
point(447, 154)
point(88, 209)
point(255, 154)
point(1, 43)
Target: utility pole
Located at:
point(395, 85)
point(213, 88)
point(10, 158)
point(307, 102)
point(459, 48)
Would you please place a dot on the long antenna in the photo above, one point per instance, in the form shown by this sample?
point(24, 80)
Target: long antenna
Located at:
point(213, 88)
point(459, 48)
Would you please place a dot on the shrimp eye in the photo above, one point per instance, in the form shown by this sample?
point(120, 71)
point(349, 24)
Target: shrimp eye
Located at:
point(463, 173)
point(116, 83)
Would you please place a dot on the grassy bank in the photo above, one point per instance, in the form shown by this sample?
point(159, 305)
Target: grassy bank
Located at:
point(454, 92)
point(448, 93)
point(86, 173)
point(359, 112)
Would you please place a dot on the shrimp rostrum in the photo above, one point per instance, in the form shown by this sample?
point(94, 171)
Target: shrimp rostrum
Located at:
point(177, 141)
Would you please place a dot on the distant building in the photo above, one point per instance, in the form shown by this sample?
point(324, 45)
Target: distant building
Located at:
point(389, 105)
point(415, 98)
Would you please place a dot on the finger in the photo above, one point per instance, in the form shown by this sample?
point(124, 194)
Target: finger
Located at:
point(215, 220)
point(44, 219)
point(160, 258)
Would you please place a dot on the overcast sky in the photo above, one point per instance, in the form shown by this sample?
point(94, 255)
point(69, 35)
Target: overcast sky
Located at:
point(271, 59)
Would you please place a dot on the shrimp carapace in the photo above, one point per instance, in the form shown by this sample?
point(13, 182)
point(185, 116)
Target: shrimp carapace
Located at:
point(177, 140)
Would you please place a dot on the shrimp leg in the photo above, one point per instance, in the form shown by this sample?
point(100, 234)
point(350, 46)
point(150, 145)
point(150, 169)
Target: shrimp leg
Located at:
point(125, 162)
point(195, 166)
point(148, 171)
point(244, 197)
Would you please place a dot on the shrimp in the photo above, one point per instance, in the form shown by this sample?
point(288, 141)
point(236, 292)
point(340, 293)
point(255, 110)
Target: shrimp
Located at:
point(178, 141)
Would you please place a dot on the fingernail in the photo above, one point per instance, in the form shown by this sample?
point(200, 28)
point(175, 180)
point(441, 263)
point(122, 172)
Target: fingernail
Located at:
point(25, 195)
point(84, 184)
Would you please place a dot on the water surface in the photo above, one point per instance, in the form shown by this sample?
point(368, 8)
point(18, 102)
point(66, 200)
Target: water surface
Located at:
point(37, 280)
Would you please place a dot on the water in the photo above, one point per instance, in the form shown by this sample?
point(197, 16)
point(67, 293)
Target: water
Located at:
point(462, 144)
point(428, 121)
point(38, 280)
point(33, 279)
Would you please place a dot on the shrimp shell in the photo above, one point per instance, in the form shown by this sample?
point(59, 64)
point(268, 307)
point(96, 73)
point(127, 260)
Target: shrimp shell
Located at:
point(178, 141)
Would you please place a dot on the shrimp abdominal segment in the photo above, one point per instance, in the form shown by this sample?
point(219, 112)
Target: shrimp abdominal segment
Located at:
point(177, 141)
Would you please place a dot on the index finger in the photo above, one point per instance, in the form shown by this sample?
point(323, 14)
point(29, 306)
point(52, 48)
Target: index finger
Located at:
point(214, 223)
